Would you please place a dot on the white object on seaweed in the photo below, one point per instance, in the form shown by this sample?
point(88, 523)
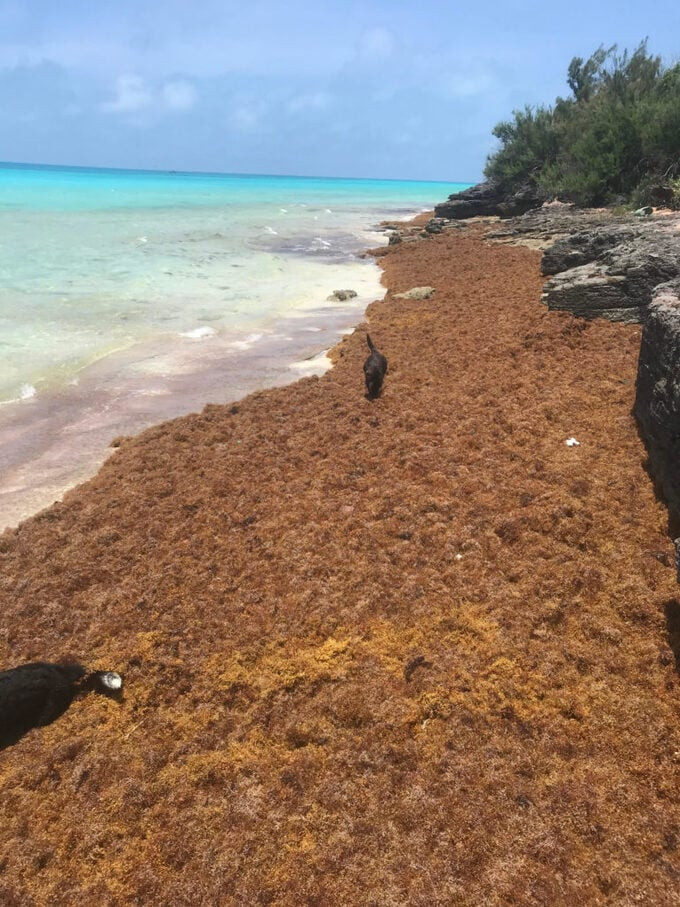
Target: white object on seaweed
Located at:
point(112, 681)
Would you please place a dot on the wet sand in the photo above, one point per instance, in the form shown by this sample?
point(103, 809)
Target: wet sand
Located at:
point(410, 651)
point(60, 438)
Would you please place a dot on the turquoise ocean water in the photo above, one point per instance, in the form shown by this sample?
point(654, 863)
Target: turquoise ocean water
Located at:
point(124, 286)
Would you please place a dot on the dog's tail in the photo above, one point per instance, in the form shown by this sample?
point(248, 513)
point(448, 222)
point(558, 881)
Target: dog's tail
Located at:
point(369, 342)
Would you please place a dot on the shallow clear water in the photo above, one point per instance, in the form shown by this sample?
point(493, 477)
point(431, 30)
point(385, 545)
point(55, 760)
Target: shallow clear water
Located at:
point(141, 278)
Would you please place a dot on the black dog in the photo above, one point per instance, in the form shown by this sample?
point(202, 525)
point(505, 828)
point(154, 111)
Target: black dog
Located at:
point(375, 369)
point(35, 694)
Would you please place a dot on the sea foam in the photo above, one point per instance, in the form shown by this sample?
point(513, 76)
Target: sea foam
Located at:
point(246, 343)
point(199, 333)
point(26, 392)
point(315, 365)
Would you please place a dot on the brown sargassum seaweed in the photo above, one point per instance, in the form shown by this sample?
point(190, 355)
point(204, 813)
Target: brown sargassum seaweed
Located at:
point(409, 651)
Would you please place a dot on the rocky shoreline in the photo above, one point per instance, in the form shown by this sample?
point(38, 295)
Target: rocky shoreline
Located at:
point(487, 199)
point(624, 267)
point(599, 264)
point(657, 399)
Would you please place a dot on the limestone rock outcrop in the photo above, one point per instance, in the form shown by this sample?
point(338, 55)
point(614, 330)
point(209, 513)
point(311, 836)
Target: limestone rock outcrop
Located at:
point(341, 295)
point(611, 271)
point(583, 247)
point(657, 401)
point(487, 199)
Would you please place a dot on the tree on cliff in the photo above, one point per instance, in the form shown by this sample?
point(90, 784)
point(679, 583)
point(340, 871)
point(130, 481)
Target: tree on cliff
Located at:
point(616, 135)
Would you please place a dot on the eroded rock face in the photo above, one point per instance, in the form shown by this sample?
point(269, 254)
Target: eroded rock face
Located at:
point(611, 271)
point(436, 225)
point(583, 247)
point(479, 200)
point(551, 223)
point(487, 200)
point(526, 198)
point(587, 292)
point(657, 401)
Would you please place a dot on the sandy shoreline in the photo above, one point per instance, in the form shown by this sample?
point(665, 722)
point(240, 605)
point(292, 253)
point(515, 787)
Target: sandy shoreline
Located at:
point(413, 651)
point(59, 438)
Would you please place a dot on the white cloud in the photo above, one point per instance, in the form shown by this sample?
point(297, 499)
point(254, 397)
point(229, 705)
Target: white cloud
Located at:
point(179, 95)
point(132, 94)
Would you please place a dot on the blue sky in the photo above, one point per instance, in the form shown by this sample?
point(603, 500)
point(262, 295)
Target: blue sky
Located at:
point(400, 89)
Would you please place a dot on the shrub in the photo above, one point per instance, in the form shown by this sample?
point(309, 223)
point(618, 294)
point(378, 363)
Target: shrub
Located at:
point(618, 132)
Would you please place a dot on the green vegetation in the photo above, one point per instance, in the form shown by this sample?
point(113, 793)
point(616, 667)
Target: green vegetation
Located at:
point(613, 140)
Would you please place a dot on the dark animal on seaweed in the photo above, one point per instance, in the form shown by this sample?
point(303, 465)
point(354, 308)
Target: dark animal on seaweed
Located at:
point(375, 369)
point(35, 694)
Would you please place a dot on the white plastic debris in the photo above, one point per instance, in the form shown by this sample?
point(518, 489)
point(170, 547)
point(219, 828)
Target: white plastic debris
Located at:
point(112, 681)
point(572, 442)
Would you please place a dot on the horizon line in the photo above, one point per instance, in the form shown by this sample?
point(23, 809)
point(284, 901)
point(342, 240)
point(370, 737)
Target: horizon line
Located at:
point(173, 172)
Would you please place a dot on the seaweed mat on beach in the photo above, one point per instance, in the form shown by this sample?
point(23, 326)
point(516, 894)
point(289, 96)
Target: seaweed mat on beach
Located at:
point(410, 651)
